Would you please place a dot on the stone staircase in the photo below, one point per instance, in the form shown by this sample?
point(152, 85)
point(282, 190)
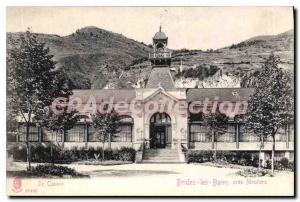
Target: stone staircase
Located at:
point(161, 156)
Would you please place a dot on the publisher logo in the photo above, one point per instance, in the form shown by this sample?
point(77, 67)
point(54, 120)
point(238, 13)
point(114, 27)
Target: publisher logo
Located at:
point(17, 184)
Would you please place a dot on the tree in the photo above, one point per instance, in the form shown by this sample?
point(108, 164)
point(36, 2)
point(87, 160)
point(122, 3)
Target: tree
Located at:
point(107, 125)
point(217, 124)
point(32, 80)
point(241, 118)
point(272, 102)
point(59, 123)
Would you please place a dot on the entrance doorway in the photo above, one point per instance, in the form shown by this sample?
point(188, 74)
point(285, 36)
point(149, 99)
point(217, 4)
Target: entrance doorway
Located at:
point(160, 131)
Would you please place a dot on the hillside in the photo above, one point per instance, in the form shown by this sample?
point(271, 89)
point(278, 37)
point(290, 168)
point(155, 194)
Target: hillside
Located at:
point(91, 54)
point(233, 62)
point(96, 58)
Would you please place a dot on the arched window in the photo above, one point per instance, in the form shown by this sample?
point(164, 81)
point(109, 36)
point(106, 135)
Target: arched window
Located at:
point(160, 47)
point(160, 118)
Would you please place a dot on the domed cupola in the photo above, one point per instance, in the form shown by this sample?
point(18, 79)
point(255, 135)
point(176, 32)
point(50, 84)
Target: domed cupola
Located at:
point(160, 58)
point(160, 35)
point(161, 55)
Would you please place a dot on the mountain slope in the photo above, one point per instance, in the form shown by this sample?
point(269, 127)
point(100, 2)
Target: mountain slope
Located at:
point(91, 54)
point(234, 61)
point(96, 58)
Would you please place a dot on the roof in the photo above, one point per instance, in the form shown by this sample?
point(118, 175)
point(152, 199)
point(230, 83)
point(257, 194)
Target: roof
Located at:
point(107, 94)
point(224, 94)
point(160, 35)
point(160, 76)
point(192, 94)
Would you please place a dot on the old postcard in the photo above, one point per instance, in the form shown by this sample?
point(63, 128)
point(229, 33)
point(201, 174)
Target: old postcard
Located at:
point(150, 101)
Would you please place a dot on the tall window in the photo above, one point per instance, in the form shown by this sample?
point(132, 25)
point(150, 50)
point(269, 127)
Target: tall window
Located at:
point(199, 133)
point(76, 134)
point(125, 130)
point(291, 132)
point(229, 136)
point(280, 136)
point(33, 133)
point(125, 134)
point(92, 134)
point(51, 136)
point(246, 135)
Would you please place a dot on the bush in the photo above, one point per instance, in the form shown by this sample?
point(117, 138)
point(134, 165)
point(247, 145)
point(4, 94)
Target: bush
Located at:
point(196, 156)
point(291, 166)
point(19, 153)
point(224, 157)
point(126, 154)
point(54, 170)
point(282, 164)
point(253, 172)
point(42, 154)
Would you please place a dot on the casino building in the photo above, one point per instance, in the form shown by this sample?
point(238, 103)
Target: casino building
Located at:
point(163, 127)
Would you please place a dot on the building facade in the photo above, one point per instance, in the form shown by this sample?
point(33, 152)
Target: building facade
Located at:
point(164, 118)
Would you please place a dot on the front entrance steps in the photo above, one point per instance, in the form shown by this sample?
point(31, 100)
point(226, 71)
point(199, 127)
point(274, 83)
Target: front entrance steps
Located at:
point(161, 156)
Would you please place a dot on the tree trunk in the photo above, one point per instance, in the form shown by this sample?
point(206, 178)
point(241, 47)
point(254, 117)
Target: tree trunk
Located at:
point(51, 153)
point(109, 141)
point(259, 154)
point(215, 151)
point(28, 147)
point(273, 153)
point(259, 159)
point(63, 138)
point(103, 150)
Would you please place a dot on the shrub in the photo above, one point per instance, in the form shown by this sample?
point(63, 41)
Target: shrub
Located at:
point(19, 153)
point(291, 166)
point(126, 154)
point(54, 170)
point(253, 172)
point(42, 154)
point(196, 156)
point(284, 162)
point(224, 157)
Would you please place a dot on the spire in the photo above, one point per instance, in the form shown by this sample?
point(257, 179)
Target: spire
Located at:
point(159, 28)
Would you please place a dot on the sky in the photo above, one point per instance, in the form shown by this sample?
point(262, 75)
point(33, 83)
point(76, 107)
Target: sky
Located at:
point(187, 27)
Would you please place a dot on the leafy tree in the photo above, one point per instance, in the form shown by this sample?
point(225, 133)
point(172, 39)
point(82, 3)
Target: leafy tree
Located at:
point(60, 122)
point(241, 118)
point(32, 80)
point(217, 124)
point(107, 125)
point(272, 102)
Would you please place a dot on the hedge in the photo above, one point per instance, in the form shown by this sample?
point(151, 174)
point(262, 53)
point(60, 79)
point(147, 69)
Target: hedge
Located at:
point(239, 158)
point(42, 154)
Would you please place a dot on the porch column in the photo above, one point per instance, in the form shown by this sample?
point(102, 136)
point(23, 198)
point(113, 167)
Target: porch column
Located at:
point(147, 136)
point(40, 133)
point(237, 135)
point(175, 135)
point(213, 139)
point(63, 139)
point(263, 158)
point(287, 132)
point(287, 155)
point(86, 135)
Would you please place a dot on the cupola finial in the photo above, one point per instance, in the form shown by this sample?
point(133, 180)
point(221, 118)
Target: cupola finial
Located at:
point(159, 28)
